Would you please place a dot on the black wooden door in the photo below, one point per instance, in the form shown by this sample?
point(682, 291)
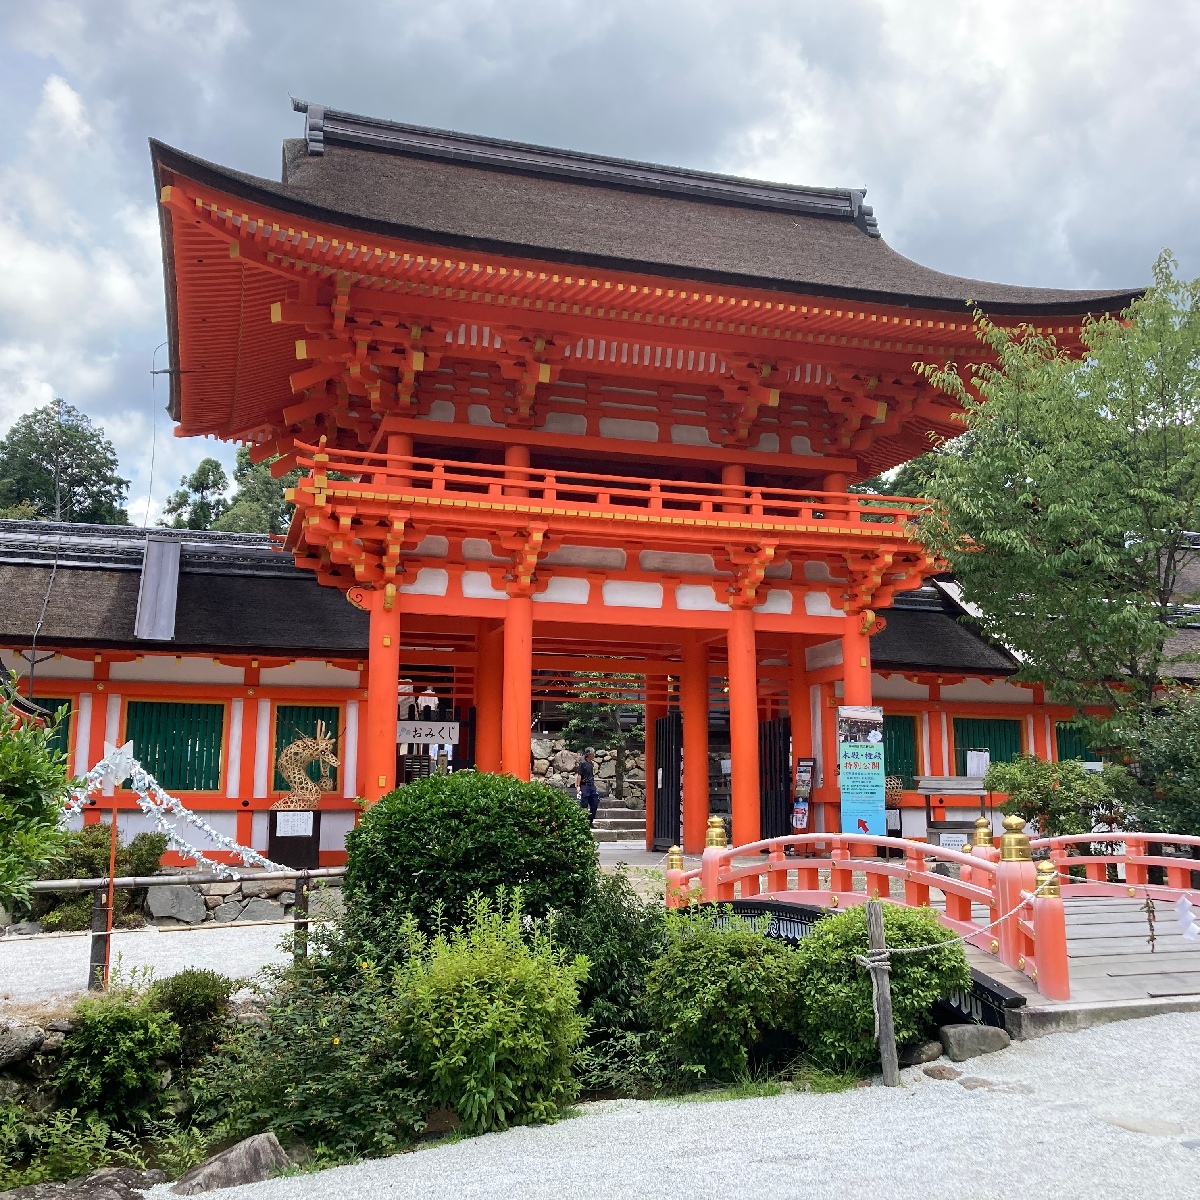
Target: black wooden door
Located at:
point(775, 776)
point(668, 780)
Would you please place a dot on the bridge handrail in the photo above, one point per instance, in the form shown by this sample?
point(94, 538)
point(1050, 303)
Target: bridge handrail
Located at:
point(1114, 836)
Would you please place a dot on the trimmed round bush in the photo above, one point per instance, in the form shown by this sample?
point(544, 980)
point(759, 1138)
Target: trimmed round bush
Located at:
point(198, 1002)
point(719, 989)
point(836, 1020)
point(429, 846)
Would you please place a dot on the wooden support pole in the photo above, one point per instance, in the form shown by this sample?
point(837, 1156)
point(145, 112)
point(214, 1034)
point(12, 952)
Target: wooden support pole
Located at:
point(881, 981)
point(693, 696)
point(382, 696)
point(98, 957)
point(300, 919)
point(517, 717)
point(743, 727)
point(489, 684)
point(856, 663)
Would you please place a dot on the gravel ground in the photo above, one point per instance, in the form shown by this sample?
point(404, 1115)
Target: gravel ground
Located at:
point(1109, 1112)
point(41, 967)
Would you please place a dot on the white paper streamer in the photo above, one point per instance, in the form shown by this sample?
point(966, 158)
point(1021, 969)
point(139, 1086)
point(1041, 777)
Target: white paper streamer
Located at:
point(119, 764)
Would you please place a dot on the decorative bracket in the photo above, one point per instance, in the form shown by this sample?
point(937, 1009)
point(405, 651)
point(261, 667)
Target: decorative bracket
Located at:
point(526, 549)
point(749, 392)
point(528, 360)
point(749, 569)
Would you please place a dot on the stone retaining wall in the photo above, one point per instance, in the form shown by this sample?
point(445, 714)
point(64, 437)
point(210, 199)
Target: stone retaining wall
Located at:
point(554, 764)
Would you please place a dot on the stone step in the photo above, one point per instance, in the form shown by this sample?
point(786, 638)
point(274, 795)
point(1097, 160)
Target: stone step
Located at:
point(619, 826)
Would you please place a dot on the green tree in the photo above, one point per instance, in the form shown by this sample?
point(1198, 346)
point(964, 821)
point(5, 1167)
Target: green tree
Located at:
point(1059, 797)
point(34, 783)
point(1068, 522)
point(258, 505)
point(200, 499)
point(56, 460)
point(605, 718)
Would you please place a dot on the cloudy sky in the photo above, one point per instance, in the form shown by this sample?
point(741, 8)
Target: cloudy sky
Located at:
point(1035, 143)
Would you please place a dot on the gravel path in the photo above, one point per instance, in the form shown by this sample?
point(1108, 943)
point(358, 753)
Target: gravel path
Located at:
point(1109, 1112)
point(38, 968)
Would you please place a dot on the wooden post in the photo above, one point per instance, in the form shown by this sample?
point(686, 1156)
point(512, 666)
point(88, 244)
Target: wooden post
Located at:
point(100, 939)
point(743, 727)
point(300, 919)
point(881, 984)
point(856, 663)
point(489, 684)
point(382, 697)
point(517, 715)
point(111, 897)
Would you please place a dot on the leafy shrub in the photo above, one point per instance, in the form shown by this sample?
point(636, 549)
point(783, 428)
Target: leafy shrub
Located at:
point(717, 991)
point(324, 1063)
point(434, 843)
point(621, 935)
point(1059, 797)
point(84, 854)
point(33, 786)
point(61, 1144)
point(112, 1063)
point(491, 1015)
point(835, 1016)
point(198, 1002)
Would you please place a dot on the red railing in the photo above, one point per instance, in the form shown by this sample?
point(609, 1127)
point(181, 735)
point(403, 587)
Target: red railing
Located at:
point(1129, 854)
point(431, 477)
point(1024, 923)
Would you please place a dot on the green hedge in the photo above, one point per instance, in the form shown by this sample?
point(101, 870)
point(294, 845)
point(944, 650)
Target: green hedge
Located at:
point(429, 846)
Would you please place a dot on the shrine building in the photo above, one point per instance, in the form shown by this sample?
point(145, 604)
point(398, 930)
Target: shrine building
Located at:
point(561, 418)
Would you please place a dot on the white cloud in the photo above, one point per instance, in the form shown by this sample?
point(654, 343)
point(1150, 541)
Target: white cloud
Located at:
point(1025, 142)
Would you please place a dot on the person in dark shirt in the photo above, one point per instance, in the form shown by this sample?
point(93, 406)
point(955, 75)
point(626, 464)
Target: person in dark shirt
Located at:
point(585, 781)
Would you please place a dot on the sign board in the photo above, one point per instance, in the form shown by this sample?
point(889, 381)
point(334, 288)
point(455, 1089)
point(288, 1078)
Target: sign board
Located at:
point(428, 733)
point(802, 803)
point(293, 824)
point(978, 762)
point(861, 773)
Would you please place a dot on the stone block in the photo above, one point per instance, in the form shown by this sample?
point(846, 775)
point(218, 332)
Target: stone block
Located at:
point(541, 748)
point(326, 904)
point(922, 1052)
point(252, 887)
point(214, 901)
point(287, 899)
point(540, 766)
point(18, 1042)
point(251, 1161)
point(607, 769)
point(219, 889)
point(228, 911)
point(177, 901)
point(259, 909)
point(566, 760)
point(941, 1071)
point(970, 1041)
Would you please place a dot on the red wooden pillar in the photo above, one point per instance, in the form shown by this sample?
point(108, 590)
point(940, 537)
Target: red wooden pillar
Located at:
point(379, 742)
point(799, 705)
point(656, 707)
point(743, 726)
point(517, 717)
point(693, 699)
point(856, 663)
point(489, 682)
point(835, 482)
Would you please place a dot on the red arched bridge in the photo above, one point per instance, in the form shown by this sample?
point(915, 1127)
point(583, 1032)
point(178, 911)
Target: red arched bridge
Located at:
point(994, 896)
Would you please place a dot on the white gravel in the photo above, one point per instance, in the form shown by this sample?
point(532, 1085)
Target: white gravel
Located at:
point(1056, 1118)
point(38, 968)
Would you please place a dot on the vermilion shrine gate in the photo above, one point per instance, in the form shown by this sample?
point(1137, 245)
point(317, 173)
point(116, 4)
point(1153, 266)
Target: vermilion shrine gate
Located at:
point(563, 413)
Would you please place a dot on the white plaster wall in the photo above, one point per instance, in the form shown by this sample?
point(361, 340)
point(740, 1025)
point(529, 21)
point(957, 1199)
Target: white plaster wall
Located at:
point(430, 581)
point(609, 557)
point(825, 654)
point(163, 668)
point(334, 827)
point(440, 410)
point(307, 673)
point(896, 687)
point(981, 690)
point(477, 585)
point(817, 604)
point(58, 667)
point(560, 422)
point(565, 589)
point(690, 435)
point(779, 600)
point(674, 562)
point(623, 429)
point(698, 597)
point(623, 593)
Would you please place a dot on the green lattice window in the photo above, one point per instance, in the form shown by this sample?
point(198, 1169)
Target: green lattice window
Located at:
point(900, 748)
point(179, 744)
point(1002, 738)
point(1069, 742)
point(61, 739)
point(293, 721)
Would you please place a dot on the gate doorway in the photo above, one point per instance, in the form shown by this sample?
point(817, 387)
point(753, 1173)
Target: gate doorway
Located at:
point(775, 777)
point(668, 780)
